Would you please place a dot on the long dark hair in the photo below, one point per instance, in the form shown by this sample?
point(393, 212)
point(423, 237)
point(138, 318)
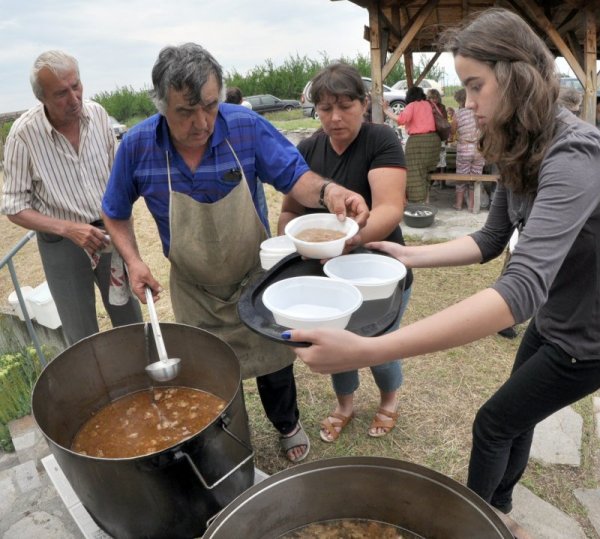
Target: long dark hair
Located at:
point(518, 135)
point(415, 93)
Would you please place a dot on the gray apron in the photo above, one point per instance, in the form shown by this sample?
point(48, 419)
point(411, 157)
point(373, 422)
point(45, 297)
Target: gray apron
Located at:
point(214, 253)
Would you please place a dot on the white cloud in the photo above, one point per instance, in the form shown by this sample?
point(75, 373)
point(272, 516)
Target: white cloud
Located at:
point(116, 42)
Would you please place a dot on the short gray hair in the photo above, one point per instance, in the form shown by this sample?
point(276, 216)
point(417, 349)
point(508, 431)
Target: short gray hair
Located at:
point(184, 68)
point(58, 62)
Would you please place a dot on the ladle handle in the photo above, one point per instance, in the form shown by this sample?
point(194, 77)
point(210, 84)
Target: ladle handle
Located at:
point(158, 338)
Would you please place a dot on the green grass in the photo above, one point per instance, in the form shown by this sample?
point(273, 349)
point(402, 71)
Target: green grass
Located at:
point(294, 119)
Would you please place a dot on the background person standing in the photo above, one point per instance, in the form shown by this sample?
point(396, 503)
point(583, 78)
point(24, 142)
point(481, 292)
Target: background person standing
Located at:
point(58, 157)
point(423, 144)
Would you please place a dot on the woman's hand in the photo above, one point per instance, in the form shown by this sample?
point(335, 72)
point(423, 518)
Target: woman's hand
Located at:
point(331, 350)
point(396, 250)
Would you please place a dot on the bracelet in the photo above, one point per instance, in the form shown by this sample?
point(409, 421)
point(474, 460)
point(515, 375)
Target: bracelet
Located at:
point(322, 193)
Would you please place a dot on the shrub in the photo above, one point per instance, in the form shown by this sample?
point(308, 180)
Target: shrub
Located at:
point(125, 103)
point(18, 374)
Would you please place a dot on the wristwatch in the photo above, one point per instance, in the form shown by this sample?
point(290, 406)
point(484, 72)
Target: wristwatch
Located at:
point(322, 193)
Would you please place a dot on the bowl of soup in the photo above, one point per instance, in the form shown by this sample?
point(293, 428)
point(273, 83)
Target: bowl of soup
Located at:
point(308, 302)
point(320, 235)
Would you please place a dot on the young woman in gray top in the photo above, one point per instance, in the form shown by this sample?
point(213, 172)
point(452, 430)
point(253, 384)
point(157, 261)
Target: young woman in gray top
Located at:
point(550, 189)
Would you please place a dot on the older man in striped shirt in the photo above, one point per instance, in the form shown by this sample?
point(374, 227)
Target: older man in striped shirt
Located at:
point(58, 158)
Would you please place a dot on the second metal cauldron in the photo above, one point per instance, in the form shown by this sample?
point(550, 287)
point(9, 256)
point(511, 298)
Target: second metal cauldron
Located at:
point(170, 493)
point(396, 492)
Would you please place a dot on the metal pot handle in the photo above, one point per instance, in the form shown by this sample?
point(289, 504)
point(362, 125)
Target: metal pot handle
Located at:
point(182, 454)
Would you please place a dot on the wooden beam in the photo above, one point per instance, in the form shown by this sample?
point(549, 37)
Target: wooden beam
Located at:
point(420, 19)
point(377, 59)
point(428, 67)
point(575, 47)
point(409, 68)
point(590, 45)
point(556, 38)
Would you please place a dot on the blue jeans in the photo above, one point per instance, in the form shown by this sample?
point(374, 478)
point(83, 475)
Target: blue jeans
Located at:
point(544, 379)
point(387, 376)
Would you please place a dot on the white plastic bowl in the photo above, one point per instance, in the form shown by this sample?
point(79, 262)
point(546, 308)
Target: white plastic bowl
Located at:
point(323, 249)
point(275, 249)
point(376, 276)
point(308, 302)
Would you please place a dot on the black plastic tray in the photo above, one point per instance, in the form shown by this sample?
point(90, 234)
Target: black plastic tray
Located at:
point(372, 318)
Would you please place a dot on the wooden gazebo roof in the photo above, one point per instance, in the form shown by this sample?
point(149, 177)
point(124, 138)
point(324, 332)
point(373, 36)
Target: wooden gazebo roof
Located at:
point(399, 28)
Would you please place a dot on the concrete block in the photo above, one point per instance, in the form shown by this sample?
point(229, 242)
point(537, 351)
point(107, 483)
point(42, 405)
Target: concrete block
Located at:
point(542, 520)
point(38, 524)
point(27, 477)
point(8, 496)
point(590, 498)
point(557, 439)
point(28, 440)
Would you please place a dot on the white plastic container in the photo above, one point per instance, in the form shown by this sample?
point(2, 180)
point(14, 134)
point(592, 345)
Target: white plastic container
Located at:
point(43, 306)
point(312, 302)
point(275, 249)
point(376, 276)
point(13, 300)
point(320, 249)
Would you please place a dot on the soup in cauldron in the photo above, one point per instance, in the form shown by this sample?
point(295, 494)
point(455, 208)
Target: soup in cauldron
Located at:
point(317, 235)
point(349, 528)
point(146, 421)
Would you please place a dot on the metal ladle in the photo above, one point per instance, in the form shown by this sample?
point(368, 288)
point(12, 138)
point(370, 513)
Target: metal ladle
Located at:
point(165, 368)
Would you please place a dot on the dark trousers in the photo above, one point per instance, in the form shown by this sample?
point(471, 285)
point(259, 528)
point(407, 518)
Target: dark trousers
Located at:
point(71, 281)
point(278, 396)
point(544, 379)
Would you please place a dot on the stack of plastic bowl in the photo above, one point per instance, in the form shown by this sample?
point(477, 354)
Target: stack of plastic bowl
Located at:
point(275, 249)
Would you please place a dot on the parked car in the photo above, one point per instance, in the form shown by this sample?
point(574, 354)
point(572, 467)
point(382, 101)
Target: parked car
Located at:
point(269, 103)
point(426, 84)
point(118, 128)
point(396, 98)
point(573, 82)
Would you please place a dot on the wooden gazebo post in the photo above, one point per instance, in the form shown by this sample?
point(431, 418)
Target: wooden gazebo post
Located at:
point(570, 26)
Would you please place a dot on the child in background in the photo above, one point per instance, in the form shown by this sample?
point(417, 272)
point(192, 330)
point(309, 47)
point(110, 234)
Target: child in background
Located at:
point(468, 158)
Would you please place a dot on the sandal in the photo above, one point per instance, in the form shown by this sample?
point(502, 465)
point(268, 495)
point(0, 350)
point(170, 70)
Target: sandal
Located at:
point(331, 427)
point(386, 424)
point(297, 439)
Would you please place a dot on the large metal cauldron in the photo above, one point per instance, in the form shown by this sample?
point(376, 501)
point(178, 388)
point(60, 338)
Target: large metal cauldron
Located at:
point(170, 493)
point(407, 495)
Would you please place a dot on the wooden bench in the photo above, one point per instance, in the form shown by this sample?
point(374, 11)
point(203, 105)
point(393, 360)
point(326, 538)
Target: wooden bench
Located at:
point(461, 178)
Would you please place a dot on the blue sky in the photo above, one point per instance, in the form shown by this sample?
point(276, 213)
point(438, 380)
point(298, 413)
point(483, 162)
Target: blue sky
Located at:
point(117, 41)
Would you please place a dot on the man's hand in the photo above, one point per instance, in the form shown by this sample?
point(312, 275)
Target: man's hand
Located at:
point(141, 277)
point(346, 203)
point(88, 237)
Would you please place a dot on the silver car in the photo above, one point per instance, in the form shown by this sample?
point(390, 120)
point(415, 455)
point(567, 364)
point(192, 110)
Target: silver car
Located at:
point(426, 84)
point(118, 128)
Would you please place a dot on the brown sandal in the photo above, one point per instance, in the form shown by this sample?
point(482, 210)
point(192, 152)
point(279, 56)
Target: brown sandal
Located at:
point(331, 427)
point(386, 424)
